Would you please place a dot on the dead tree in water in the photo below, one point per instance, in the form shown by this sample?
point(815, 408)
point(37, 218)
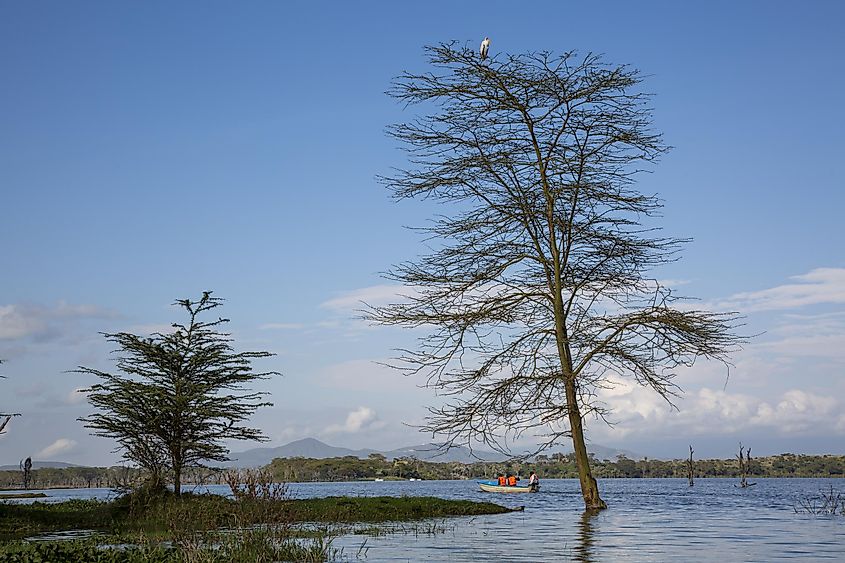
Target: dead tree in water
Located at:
point(744, 466)
point(26, 471)
point(690, 467)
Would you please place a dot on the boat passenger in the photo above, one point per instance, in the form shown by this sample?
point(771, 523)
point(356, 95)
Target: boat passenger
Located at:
point(512, 481)
point(533, 480)
point(502, 481)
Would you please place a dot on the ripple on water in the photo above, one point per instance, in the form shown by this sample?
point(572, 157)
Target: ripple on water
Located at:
point(648, 520)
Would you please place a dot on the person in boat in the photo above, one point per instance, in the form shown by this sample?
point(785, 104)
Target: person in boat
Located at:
point(502, 481)
point(512, 480)
point(533, 481)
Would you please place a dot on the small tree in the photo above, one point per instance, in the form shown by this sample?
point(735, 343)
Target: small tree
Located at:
point(177, 396)
point(538, 285)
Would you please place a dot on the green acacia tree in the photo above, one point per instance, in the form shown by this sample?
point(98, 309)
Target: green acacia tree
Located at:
point(176, 397)
point(537, 288)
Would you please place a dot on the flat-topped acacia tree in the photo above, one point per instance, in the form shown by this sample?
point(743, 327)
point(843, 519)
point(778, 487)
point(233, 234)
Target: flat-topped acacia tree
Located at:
point(177, 396)
point(537, 287)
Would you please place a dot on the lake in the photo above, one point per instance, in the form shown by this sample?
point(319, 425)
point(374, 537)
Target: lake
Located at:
point(648, 520)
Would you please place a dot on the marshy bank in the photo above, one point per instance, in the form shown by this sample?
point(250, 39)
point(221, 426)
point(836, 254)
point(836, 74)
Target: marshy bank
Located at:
point(160, 526)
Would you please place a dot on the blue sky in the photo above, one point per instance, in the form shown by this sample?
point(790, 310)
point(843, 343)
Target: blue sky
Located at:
point(152, 151)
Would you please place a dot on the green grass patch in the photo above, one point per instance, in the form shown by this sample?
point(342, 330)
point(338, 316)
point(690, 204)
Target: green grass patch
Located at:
point(385, 509)
point(164, 514)
point(20, 520)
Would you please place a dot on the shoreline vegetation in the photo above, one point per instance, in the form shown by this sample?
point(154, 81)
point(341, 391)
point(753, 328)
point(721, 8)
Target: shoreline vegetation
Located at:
point(350, 468)
point(155, 525)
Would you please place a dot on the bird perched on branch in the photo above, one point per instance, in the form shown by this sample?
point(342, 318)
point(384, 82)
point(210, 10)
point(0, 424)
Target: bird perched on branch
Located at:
point(485, 46)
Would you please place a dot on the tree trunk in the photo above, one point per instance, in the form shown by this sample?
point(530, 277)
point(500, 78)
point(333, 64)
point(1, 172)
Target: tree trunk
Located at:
point(589, 487)
point(690, 467)
point(177, 479)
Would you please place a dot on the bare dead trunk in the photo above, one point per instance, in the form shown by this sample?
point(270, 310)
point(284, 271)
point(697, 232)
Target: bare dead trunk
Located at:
point(589, 487)
point(744, 462)
point(690, 467)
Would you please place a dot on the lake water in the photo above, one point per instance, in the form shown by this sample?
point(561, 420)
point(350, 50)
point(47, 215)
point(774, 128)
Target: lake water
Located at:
point(648, 520)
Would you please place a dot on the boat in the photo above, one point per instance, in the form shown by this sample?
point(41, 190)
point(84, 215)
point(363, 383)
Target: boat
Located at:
point(495, 487)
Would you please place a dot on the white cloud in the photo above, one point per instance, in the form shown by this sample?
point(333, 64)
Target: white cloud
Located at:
point(59, 447)
point(362, 418)
point(819, 286)
point(76, 397)
point(16, 323)
point(374, 295)
point(23, 321)
point(708, 411)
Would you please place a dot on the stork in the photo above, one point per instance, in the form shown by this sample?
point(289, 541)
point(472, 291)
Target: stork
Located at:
point(485, 46)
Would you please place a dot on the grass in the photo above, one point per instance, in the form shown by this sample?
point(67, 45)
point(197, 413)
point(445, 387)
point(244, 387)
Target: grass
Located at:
point(23, 495)
point(158, 526)
point(385, 509)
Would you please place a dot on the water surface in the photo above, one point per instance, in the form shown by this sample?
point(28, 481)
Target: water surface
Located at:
point(648, 520)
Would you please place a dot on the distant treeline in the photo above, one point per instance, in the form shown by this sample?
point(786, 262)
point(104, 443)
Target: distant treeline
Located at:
point(556, 466)
point(350, 468)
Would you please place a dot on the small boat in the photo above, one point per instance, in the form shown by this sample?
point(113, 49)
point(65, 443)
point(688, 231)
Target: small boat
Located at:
point(495, 487)
point(379, 479)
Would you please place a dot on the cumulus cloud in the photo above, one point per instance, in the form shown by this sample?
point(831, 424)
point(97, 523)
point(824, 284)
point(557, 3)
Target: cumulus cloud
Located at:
point(59, 447)
point(708, 411)
point(362, 418)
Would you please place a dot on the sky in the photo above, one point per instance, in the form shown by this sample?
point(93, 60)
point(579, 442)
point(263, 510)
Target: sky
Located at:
point(151, 151)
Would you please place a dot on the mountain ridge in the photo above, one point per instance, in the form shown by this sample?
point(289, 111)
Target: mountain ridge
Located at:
point(314, 448)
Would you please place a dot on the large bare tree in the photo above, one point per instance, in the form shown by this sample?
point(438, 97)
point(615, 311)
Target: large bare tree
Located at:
point(539, 282)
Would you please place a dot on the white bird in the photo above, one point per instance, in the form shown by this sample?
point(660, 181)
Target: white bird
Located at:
point(485, 46)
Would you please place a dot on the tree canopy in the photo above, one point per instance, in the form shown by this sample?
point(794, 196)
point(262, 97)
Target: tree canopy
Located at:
point(177, 396)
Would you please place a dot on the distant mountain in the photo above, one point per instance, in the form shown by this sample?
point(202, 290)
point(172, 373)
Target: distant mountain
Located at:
point(40, 465)
point(307, 447)
point(313, 448)
point(430, 452)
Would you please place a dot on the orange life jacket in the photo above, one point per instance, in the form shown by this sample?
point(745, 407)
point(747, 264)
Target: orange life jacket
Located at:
point(512, 481)
point(502, 481)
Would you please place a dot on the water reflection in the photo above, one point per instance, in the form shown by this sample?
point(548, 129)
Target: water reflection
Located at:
point(583, 550)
